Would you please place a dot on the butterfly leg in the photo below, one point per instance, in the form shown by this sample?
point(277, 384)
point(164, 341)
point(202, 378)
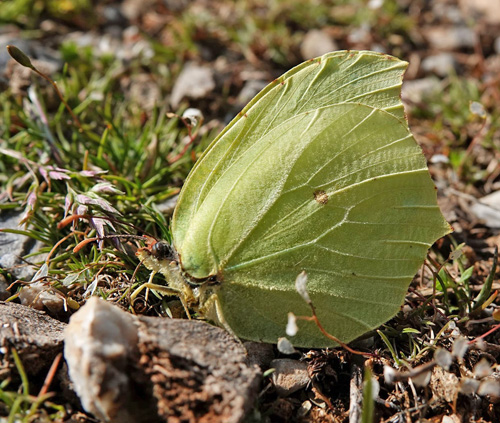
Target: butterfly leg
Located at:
point(212, 310)
point(165, 290)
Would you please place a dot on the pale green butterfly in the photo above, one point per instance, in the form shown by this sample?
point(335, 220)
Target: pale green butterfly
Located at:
point(318, 173)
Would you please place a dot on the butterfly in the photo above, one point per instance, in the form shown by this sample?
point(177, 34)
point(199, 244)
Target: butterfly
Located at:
point(318, 173)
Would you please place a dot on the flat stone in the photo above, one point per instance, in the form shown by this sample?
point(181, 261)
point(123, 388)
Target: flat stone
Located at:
point(289, 376)
point(450, 38)
point(14, 246)
point(454, 418)
point(36, 337)
point(33, 48)
point(487, 209)
point(200, 373)
point(360, 35)
point(167, 207)
point(259, 353)
point(442, 64)
point(485, 10)
point(4, 294)
point(316, 43)
point(146, 369)
point(251, 88)
point(194, 82)
point(417, 90)
point(447, 12)
point(41, 296)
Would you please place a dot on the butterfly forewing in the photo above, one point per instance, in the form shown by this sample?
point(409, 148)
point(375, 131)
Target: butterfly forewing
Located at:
point(320, 173)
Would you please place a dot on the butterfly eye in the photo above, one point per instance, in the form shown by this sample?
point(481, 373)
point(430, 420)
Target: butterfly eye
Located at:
point(162, 250)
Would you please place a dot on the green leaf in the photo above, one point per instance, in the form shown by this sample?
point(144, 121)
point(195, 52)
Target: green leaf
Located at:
point(411, 330)
point(369, 392)
point(319, 173)
point(486, 289)
point(466, 275)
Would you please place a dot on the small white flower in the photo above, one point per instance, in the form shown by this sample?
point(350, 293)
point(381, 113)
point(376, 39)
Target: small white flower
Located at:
point(482, 369)
point(477, 109)
point(291, 327)
point(389, 374)
point(422, 379)
point(193, 116)
point(460, 346)
point(301, 286)
point(469, 386)
point(443, 358)
point(375, 4)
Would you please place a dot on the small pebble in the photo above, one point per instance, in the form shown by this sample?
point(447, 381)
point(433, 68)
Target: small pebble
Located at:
point(289, 376)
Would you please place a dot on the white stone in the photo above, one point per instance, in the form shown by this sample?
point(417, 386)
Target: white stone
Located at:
point(194, 82)
point(442, 64)
point(487, 209)
point(98, 340)
point(450, 38)
point(316, 43)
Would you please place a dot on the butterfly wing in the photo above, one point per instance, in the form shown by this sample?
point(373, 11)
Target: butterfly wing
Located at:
point(346, 76)
point(339, 190)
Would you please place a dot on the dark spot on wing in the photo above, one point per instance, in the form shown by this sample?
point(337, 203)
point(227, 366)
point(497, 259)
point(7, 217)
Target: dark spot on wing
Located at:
point(321, 197)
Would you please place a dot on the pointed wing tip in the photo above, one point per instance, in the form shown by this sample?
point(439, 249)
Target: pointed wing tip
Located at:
point(353, 53)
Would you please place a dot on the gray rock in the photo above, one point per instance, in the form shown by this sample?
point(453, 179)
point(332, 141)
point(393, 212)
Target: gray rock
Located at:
point(4, 294)
point(40, 296)
point(285, 346)
point(199, 372)
point(496, 45)
point(486, 10)
point(15, 246)
point(487, 209)
point(124, 45)
point(41, 56)
point(442, 64)
point(133, 9)
point(113, 15)
point(259, 353)
point(289, 376)
point(444, 11)
point(251, 88)
point(194, 82)
point(316, 43)
point(417, 90)
point(360, 36)
point(450, 38)
point(137, 369)
point(8, 39)
point(36, 337)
